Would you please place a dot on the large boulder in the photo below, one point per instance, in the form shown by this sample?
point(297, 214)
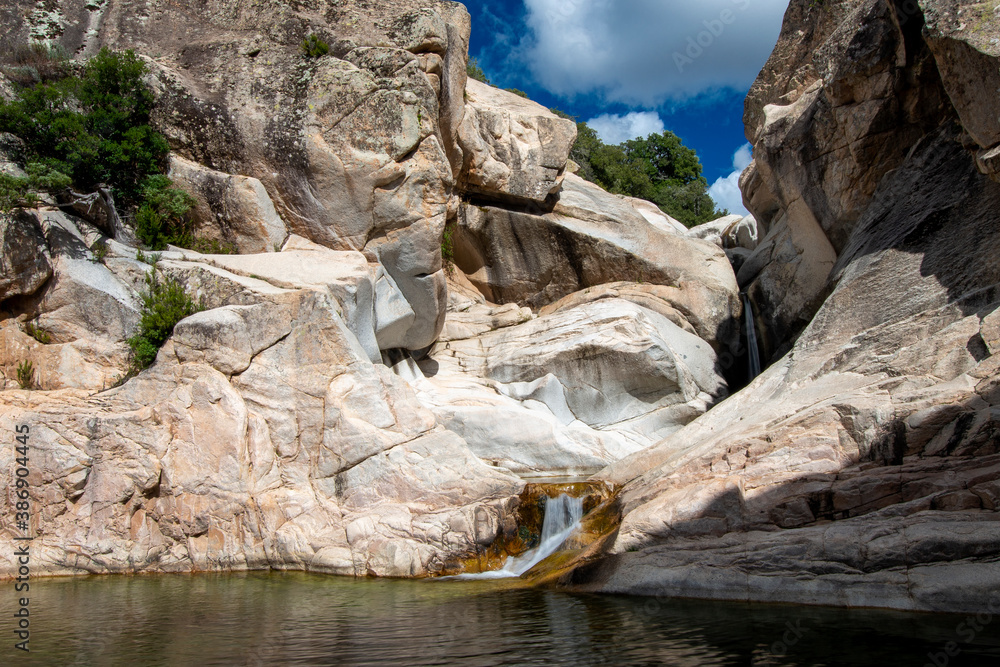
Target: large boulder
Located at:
point(568, 392)
point(230, 209)
point(589, 239)
point(515, 149)
point(24, 262)
point(81, 317)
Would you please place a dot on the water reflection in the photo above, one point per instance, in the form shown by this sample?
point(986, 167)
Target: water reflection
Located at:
point(301, 619)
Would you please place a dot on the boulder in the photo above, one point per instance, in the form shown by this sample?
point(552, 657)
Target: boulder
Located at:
point(515, 149)
point(345, 276)
point(744, 234)
point(230, 209)
point(570, 391)
point(24, 262)
point(715, 230)
point(655, 216)
point(964, 41)
point(592, 238)
point(84, 298)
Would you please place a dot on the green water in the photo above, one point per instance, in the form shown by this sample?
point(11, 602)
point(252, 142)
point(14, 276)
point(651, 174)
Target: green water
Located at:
point(302, 619)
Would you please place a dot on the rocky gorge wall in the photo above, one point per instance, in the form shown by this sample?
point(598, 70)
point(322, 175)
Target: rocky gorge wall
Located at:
point(348, 402)
point(862, 467)
point(345, 402)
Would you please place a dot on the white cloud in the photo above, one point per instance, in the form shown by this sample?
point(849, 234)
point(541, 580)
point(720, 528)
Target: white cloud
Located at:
point(645, 52)
point(726, 190)
point(614, 129)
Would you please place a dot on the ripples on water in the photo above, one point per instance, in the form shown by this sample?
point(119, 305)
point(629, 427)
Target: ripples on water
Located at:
point(302, 619)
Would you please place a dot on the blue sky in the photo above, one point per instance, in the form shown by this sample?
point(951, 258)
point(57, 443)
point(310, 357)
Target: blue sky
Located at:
point(632, 67)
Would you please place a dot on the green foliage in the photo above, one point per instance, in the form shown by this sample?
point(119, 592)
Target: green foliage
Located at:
point(658, 168)
point(92, 128)
point(448, 248)
point(26, 375)
point(213, 247)
point(519, 93)
point(162, 217)
point(314, 47)
point(151, 259)
point(164, 304)
point(100, 250)
point(15, 193)
point(38, 333)
point(475, 71)
point(42, 176)
point(22, 192)
point(152, 228)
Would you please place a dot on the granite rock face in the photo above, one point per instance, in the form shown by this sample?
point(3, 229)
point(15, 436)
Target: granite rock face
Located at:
point(263, 436)
point(859, 469)
point(592, 238)
point(567, 392)
point(24, 266)
point(514, 148)
point(356, 150)
point(850, 88)
point(271, 431)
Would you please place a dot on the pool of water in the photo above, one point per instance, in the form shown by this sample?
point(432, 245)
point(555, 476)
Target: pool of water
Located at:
point(303, 619)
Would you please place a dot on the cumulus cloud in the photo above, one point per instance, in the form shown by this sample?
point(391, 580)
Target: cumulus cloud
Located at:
point(613, 129)
point(647, 52)
point(726, 190)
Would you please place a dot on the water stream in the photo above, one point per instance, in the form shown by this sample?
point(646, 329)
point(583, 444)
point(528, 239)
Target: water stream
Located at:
point(562, 516)
point(753, 353)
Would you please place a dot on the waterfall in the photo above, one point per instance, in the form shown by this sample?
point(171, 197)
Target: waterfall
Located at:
point(562, 517)
point(754, 354)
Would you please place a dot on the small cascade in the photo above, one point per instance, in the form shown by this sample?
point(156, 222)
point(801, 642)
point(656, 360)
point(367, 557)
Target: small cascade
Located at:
point(562, 516)
point(753, 353)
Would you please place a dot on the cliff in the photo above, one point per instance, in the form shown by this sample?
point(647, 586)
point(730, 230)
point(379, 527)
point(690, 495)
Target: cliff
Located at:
point(345, 401)
point(862, 467)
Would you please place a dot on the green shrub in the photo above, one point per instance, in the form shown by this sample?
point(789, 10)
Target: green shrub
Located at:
point(26, 375)
point(213, 247)
point(100, 251)
point(151, 259)
point(151, 228)
point(16, 193)
point(475, 71)
point(38, 333)
point(448, 248)
point(162, 216)
point(22, 192)
point(164, 304)
point(519, 93)
point(93, 127)
point(314, 47)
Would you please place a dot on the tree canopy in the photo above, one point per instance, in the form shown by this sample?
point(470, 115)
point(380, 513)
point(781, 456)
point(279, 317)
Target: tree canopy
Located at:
point(93, 128)
point(658, 168)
